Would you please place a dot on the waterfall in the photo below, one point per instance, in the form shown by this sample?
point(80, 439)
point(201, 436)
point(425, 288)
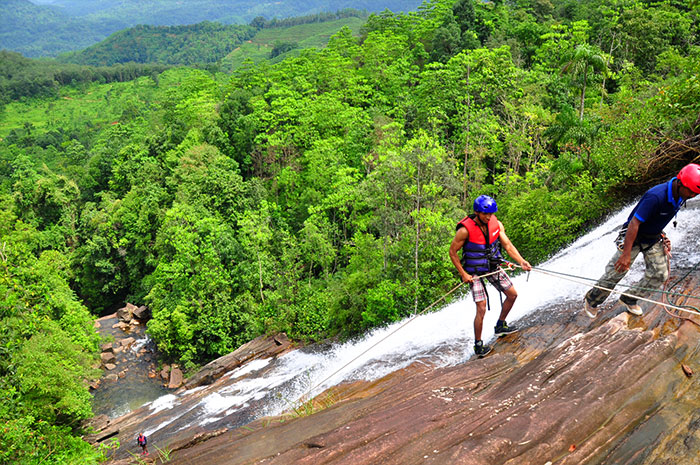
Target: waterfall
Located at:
point(441, 338)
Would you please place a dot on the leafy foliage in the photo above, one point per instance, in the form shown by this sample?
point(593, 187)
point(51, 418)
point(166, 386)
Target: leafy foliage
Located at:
point(186, 45)
point(48, 346)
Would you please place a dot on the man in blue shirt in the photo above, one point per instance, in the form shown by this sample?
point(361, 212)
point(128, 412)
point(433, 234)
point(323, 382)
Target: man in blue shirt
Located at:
point(643, 232)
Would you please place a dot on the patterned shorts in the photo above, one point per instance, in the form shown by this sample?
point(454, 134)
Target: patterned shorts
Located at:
point(499, 280)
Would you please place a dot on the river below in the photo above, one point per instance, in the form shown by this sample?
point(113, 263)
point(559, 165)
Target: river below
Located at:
point(134, 381)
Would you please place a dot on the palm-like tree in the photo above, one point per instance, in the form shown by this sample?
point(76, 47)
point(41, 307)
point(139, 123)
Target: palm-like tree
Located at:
point(583, 62)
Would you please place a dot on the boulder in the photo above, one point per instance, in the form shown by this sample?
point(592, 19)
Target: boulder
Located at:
point(126, 342)
point(122, 325)
point(176, 377)
point(142, 313)
point(107, 358)
point(126, 313)
point(165, 372)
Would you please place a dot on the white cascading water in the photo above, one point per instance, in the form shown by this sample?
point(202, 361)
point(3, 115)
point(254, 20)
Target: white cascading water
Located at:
point(440, 338)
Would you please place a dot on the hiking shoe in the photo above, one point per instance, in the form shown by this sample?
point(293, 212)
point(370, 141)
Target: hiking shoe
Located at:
point(504, 329)
point(634, 308)
point(589, 309)
point(480, 350)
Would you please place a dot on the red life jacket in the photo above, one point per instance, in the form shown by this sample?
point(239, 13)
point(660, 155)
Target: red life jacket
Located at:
point(477, 252)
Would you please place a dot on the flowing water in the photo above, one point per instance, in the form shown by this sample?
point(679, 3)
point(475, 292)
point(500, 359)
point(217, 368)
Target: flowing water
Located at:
point(134, 387)
point(441, 338)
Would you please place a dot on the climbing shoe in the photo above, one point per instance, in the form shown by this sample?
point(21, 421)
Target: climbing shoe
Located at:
point(504, 329)
point(590, 310)
point(633, 308)
point(480, 350)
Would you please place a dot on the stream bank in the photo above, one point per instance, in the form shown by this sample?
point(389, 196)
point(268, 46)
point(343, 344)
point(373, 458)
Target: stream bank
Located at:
point(130, 362)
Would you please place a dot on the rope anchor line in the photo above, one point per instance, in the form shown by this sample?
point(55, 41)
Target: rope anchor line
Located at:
point(580, 280)
point(510, 266)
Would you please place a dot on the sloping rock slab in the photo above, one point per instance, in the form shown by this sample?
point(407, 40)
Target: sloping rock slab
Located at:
point(571, 391)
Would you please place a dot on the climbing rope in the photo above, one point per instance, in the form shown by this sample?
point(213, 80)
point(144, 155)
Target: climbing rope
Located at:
point(580, 280)
point(320, 383)
point(678, 281)
point(510, 266)
point(628, 286)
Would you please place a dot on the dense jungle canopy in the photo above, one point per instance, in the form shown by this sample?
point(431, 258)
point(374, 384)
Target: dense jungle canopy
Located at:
point(317, 195)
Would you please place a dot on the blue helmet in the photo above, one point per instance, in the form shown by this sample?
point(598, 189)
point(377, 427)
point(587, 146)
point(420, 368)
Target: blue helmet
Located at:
point(485, 204)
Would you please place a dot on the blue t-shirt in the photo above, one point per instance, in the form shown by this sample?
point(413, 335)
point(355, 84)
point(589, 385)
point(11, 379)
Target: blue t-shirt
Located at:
point(655, 210)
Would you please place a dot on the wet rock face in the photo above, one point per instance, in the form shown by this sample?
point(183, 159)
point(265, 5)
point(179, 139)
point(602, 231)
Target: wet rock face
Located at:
point(566, 390)
point(257, 348)
point(571, 391)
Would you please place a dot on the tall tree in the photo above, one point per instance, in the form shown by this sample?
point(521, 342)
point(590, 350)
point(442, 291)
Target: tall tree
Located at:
point(581, 64)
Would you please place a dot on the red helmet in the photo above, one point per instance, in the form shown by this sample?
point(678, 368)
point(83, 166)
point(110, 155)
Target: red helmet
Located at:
point(689, 176)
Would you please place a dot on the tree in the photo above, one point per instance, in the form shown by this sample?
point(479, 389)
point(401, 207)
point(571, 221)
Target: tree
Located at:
point(582, 64)
point(195, 315)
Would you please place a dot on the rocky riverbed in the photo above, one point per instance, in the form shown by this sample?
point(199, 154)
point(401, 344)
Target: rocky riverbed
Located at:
point(132, 372)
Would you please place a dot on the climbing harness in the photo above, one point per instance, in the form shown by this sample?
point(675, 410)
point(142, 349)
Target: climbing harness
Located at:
point(644, 242)
point(494, 265)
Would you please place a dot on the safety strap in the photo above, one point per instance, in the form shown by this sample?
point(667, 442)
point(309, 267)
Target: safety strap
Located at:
point(497, 286)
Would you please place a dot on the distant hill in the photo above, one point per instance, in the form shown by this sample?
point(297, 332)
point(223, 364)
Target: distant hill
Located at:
point(171, 12)
point(208, 42)
point(270, 43)
point(205, 42)
point(40, 31)
point(51, 27)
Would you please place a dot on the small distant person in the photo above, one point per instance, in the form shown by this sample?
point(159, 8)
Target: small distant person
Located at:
point(142, 441)
point(643, 233)
point(478, 236)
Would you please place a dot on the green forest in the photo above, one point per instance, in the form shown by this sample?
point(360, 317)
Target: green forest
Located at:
point(316, 195)
point(216, 45)
point(48, 28)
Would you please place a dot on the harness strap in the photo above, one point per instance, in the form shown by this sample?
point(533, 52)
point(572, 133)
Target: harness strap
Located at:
point(498, 287)
point(488, 300)
point(643, 246)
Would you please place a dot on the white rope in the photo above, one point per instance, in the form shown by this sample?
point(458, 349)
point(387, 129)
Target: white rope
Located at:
point(626, 294)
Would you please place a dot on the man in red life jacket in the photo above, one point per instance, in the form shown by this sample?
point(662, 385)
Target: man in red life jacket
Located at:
point(479, 236)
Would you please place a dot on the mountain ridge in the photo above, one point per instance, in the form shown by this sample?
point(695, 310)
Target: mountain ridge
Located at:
point(47, 29)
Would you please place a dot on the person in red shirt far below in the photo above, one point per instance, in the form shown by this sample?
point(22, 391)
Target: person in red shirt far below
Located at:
point(478, 236)
point(142, 441)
